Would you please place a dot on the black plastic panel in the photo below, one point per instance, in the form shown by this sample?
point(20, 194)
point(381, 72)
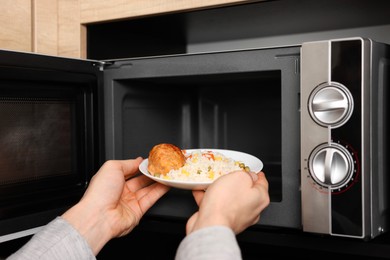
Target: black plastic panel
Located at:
point(347, 206)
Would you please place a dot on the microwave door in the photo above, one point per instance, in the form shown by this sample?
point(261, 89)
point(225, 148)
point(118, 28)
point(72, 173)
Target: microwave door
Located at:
point(49, 137)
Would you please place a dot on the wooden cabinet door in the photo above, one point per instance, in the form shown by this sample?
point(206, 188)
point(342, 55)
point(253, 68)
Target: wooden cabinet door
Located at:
point(49, 27)
point(16, 27)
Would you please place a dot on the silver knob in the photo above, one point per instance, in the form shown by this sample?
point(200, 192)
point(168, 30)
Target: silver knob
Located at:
point(331, 165)
point(331, 104)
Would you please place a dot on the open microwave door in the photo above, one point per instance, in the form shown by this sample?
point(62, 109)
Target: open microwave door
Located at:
point(49, 137)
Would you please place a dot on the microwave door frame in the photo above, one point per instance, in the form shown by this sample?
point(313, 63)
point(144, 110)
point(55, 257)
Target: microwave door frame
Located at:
point(120, 74)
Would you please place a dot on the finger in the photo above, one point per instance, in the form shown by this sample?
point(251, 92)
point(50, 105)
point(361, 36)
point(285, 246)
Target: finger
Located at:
point(130, 167)
point(142, 191)
point(238, 175)
point(138, 182)
point(198, 196)
point(262, 180)
point(150, 194)
point(257, 219)
point(252, 175)
point(261, 185)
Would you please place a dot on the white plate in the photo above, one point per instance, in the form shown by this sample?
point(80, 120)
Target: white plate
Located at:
point(254, 163)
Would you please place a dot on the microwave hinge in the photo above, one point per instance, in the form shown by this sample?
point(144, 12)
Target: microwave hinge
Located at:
point(102, 64)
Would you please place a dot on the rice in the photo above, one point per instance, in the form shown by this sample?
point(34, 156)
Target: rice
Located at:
point(204, 166)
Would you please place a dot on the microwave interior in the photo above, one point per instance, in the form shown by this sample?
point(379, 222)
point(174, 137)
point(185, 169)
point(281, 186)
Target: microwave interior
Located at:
point(209, 101)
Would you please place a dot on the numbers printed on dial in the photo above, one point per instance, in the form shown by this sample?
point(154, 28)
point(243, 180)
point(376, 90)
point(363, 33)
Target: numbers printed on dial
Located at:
point(333, 167)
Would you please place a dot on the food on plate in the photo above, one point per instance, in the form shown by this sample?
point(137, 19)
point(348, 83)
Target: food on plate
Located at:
point(164, 158)
point(169, 162)
point(205, 166)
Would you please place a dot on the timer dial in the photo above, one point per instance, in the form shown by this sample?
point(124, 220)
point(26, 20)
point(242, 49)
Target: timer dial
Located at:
point(331, 104)
point(331, 166)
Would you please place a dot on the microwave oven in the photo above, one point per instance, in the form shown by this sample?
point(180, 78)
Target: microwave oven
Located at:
point(315, 114)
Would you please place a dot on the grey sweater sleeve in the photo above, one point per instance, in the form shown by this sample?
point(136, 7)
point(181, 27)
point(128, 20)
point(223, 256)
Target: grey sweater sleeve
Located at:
point(211, 243)
point(57, 240)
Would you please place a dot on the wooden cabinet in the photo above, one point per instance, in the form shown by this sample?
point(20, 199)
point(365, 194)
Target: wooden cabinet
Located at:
point(41, 26)
point(58, 27)
point(101, 10)
point(15, 29)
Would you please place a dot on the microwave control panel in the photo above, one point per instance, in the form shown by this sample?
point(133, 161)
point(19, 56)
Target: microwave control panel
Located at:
point(336, 176)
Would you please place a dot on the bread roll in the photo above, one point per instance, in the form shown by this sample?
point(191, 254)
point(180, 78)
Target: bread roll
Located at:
point(165, 157)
